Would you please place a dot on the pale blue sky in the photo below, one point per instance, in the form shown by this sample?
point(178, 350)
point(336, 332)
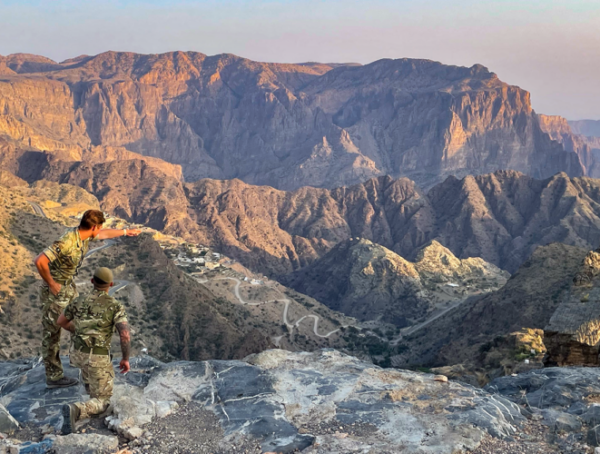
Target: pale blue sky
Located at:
point(550, 47)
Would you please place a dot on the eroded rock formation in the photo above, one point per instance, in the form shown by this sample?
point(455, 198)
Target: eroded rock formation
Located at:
point(370, 282)
point(281, 398)
point(573, 335)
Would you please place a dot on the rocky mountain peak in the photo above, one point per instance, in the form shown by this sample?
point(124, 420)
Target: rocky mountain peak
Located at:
point(369, 281)
point(437, 255)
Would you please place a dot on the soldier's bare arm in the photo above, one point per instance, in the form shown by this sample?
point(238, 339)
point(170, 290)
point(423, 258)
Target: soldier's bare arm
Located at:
point(123, 329)
point(106, 234)
point(65, 323)
point(42, 264)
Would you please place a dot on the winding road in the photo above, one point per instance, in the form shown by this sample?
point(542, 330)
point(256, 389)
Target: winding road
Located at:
point(286, 301)
point(37, 209)
point(107, 243)
point(413, 329)
point(119, 285)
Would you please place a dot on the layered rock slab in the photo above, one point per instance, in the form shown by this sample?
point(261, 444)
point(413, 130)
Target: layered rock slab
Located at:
point(565, 398)
point(276, 395)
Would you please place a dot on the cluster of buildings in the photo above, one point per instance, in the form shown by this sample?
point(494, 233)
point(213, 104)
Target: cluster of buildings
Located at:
point(195, 258)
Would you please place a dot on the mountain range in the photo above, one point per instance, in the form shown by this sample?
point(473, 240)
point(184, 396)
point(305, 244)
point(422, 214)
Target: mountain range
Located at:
point(501, 217)
point(472, 333)
point(369, 188)
point(282, 125)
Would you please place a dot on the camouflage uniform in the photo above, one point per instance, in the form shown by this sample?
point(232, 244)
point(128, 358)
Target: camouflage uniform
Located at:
point(66, 256)
point(94, 318)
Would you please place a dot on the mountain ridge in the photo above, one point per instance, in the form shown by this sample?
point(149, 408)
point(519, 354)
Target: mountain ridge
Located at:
point(282, 125)
point(500, 217)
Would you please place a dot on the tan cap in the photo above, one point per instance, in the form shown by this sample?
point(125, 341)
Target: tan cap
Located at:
point(104, 274)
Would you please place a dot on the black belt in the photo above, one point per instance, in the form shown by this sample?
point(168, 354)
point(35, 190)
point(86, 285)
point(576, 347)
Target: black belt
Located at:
point(80, 346)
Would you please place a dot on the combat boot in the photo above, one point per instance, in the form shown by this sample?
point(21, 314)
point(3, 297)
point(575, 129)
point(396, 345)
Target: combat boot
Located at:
point(70, 414)
point(63, 382)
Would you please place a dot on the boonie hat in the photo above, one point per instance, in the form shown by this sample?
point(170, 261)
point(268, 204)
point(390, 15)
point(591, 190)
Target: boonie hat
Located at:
point(104, 274)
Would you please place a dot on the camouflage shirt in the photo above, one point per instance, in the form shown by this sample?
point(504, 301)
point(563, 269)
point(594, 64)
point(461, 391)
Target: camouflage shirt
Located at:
point(66, 255)
point(94, 317)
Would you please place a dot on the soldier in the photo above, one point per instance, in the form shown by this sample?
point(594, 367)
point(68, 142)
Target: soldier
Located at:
point(92, 320)
point(58, 265)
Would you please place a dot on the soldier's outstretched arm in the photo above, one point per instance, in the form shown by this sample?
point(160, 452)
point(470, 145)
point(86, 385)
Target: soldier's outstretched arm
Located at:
point(107, 234)
point(125, 336)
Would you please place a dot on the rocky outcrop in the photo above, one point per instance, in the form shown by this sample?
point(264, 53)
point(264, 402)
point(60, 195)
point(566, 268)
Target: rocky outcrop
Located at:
point(573, 335)
point(8, 424)
point(9, 180)
point(476, 332)
point(287, 126)
point(544, 393)
point(317, 403)
point(281, 399)
point(370, 282)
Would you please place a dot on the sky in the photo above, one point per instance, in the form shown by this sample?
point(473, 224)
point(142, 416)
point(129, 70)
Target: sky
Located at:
point(548, 47)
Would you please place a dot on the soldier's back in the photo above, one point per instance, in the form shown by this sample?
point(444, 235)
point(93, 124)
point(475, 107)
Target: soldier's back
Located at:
point(94, 316)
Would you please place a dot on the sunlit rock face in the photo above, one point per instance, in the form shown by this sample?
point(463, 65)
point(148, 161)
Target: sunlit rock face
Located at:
point(572, 337)
point(282, 125)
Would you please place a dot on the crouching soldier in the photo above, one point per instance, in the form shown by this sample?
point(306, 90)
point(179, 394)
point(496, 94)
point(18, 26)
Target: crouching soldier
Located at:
point(92, 320)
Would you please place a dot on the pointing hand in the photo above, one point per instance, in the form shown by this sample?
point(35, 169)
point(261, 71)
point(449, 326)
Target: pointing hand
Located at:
point(133, 232)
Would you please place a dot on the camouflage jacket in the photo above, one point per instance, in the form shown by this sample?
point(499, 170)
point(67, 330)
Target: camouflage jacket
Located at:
point(94, 317)
point(66, 255)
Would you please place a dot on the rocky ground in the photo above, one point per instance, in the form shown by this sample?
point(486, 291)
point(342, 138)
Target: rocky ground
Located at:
point(315, 403)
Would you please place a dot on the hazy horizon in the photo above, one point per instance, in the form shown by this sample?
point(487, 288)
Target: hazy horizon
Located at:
point(550, 48)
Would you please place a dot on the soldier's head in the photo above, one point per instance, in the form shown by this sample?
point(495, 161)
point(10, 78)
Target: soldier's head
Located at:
point(103, 279)
point(92, 220)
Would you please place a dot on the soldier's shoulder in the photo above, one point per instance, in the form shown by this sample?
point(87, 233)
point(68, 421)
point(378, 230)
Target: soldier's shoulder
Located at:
point(83, 297)
point(69, 235)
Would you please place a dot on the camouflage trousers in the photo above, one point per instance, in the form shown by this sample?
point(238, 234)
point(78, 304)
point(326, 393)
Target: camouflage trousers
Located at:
point(98, 375)
point(52, 307)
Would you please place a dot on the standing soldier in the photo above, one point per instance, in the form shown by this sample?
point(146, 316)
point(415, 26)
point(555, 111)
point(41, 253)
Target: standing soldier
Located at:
point(58, 265)
point(92, 320)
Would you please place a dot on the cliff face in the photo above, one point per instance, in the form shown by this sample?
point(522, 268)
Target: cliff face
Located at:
point(283, 125)
point(581, 137)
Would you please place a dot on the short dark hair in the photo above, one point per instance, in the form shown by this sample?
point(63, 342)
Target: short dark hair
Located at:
point(100, 282)
point(91, 218)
